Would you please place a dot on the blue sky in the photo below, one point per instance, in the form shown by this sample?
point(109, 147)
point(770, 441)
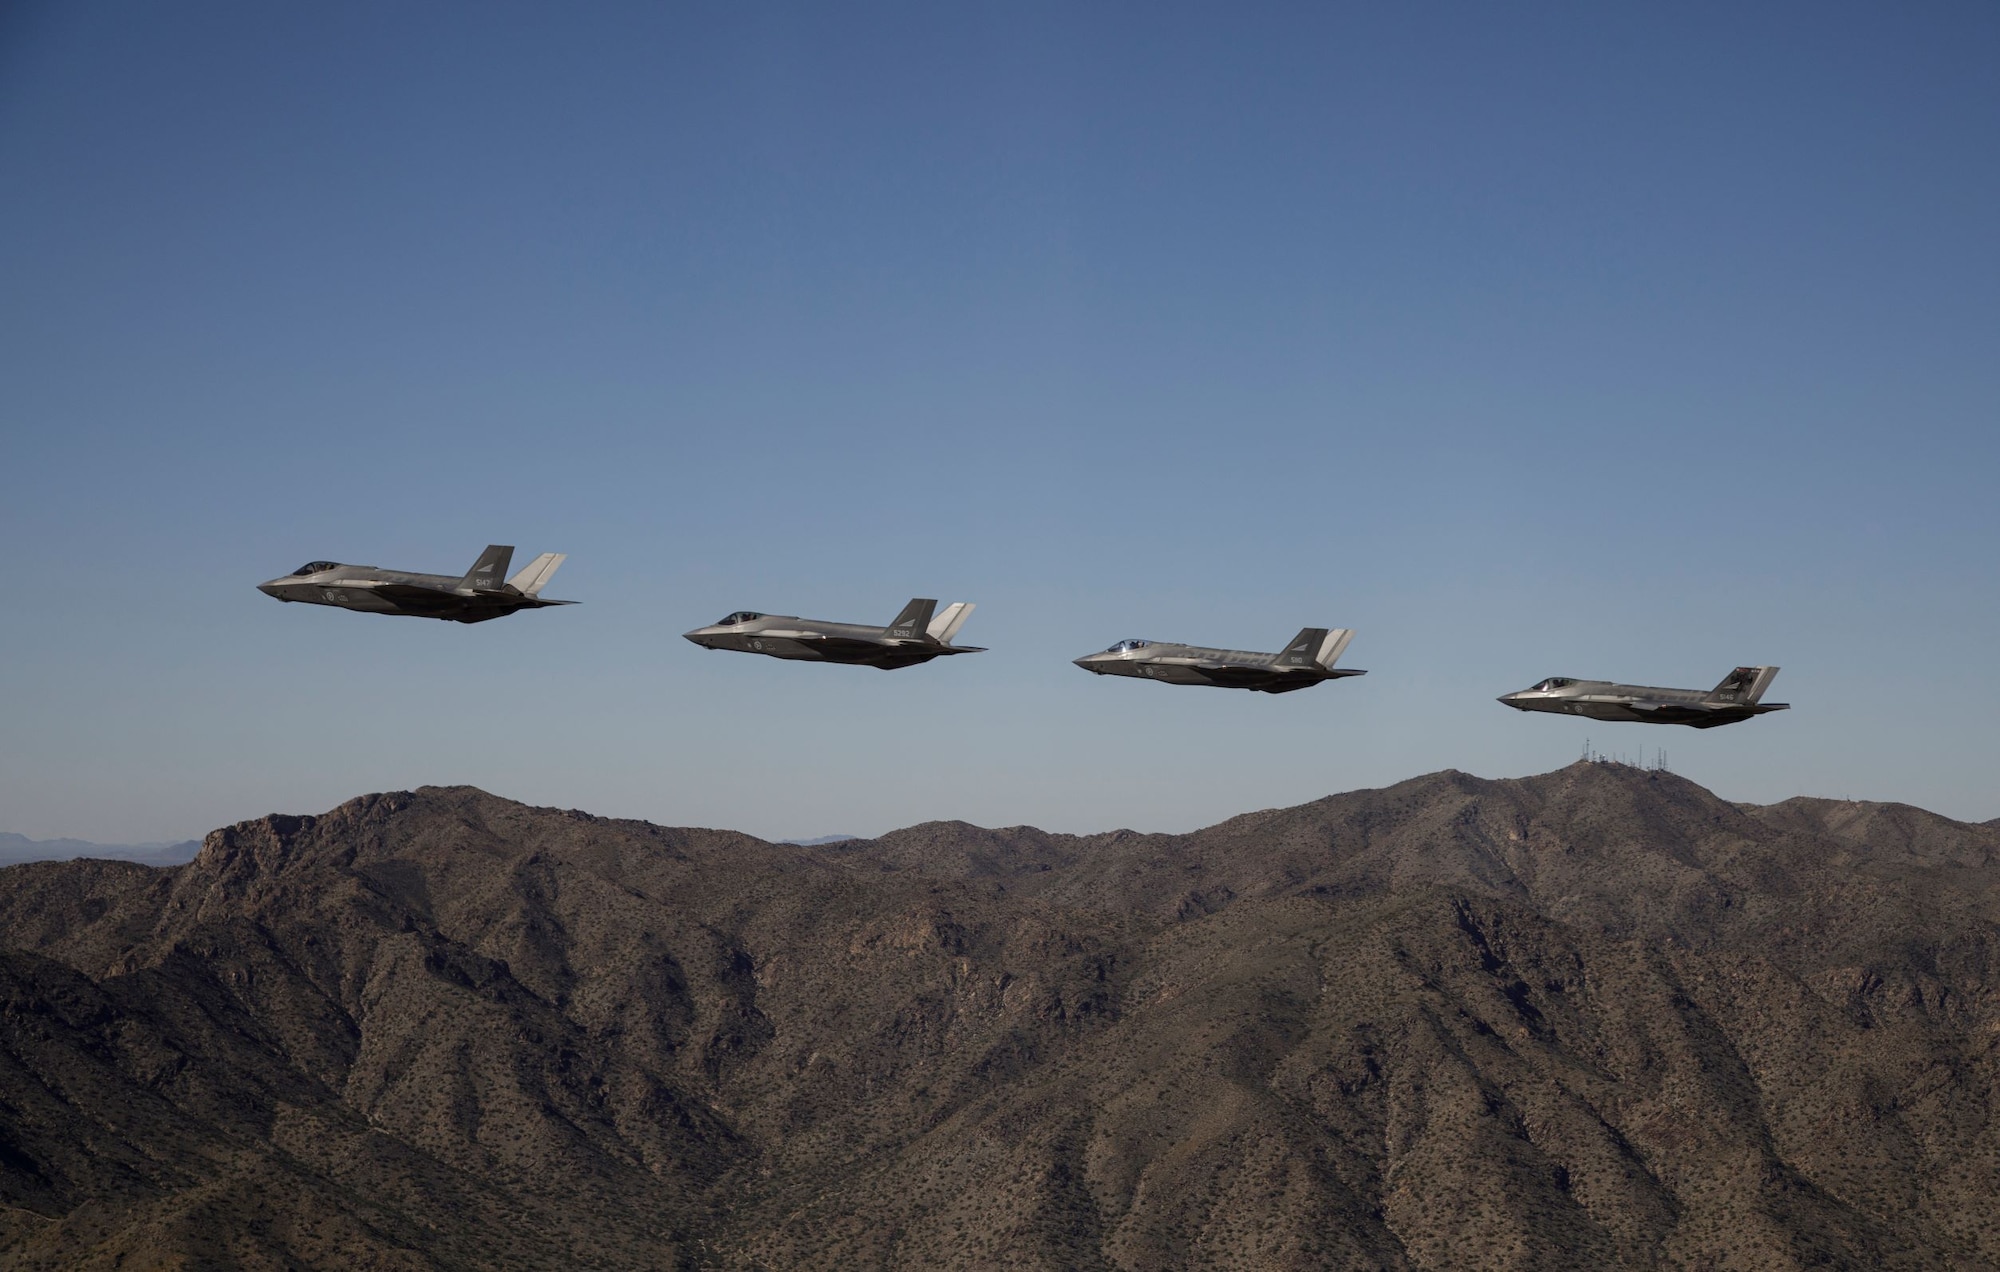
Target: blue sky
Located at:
point(1526, 341)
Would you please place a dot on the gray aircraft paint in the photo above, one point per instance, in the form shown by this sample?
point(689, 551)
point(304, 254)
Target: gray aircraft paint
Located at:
point(1304, 662)
point(916, 635)
point(1738, 697)
point(474, 597)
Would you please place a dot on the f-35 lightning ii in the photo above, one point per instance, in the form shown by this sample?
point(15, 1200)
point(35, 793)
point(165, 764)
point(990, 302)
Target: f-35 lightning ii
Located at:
point(1736, 698)
point(914, 637)
point(1302, 664)
point(478, 596)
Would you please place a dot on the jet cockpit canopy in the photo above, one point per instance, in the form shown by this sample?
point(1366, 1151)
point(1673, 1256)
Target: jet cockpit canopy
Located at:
point(1554, 682)
point(1125, 646)
point(740, 616)
point(314, 567)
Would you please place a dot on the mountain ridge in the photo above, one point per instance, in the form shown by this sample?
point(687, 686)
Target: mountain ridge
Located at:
point(15, 849)
point(1592, 1018)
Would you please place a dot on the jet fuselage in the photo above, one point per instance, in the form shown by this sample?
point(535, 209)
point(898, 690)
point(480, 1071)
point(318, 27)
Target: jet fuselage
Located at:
point(914, 637)
point(1307, 661)
point(1734, 700)
point(475, 597)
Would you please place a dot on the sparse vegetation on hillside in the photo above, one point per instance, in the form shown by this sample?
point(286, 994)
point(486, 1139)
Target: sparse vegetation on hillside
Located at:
point(1593, 1019)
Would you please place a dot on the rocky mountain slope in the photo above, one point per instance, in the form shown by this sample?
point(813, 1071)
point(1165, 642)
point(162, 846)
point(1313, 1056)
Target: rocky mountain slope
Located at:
point(1593, 1019)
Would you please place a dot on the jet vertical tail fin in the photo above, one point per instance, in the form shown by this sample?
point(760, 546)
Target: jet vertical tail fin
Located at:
point(1303, 651)
point(536, 573)
point(1333, 646)
point(489, 571)
point(946, 625)
point(910, 624)
point(1744, 685)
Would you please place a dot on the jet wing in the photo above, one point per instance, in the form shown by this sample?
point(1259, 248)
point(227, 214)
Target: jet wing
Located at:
point(837, 646)
point(1230, 676)
point(855, 644)
point(895, 662)
point(1672, 712)
point(412, 595)
point(397, 590)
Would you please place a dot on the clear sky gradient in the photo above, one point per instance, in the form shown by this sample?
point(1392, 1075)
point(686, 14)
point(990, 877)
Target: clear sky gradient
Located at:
point(1602, 341)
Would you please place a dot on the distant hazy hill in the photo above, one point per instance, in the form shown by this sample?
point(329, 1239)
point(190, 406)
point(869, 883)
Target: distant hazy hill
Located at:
point(18, 848)
point(1593, 1019)
point(822, 839)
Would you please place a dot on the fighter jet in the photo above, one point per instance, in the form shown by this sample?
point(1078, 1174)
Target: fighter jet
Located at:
point(914, 637)
point(1304, 663)
point(1736, 698)
point(478, 596)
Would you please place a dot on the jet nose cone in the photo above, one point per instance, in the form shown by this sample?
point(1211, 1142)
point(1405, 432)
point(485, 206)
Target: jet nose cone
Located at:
point(1511, 699)
point(696, 636)
point(273, 588)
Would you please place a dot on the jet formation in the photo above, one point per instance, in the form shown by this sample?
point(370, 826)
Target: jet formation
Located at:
point(1305, 662)
point(474, 597)
point(912, 637)
point(1738, 697)
point(921, 633)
